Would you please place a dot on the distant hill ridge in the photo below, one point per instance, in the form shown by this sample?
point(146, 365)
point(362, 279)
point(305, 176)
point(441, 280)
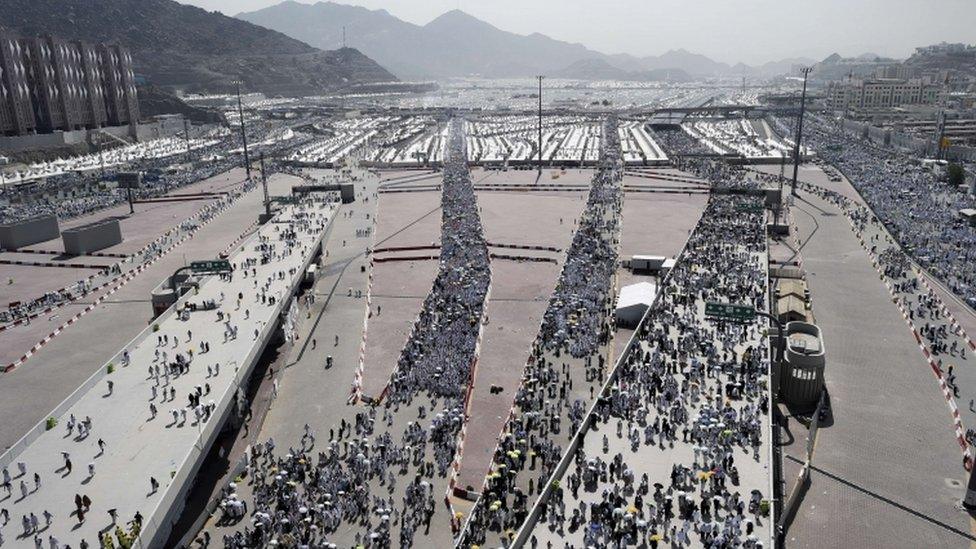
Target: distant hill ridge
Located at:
point(179, 46)
point(458, 44)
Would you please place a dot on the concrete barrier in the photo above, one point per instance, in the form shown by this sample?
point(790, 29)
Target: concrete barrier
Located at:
point(18, 234)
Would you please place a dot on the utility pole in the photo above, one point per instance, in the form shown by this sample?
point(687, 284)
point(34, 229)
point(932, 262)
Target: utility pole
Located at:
point(540, 77)
point(343, 37)
point(940, 132)
point(240, 111)
point(799, 129)
point(264, 183)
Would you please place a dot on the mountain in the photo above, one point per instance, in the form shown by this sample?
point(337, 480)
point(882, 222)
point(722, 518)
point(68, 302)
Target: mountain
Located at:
point(454, 44)
point(598, 69)
point(458, 44)
point(185, 47)
point(693, 63)
point(155, 101)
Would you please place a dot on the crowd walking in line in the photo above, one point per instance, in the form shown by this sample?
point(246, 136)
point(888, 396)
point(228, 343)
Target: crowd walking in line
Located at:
point(567, 363)
point(377, 481)
point(660, 466)
point(918, 209)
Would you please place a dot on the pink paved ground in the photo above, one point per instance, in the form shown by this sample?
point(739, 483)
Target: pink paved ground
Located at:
point(519, 296)
point(150, 219)
point(399, 288)
point(417, 209)
point(59, 259)
point(149, 222)
point(18, 282)
point(528, 177)
point(656, 224)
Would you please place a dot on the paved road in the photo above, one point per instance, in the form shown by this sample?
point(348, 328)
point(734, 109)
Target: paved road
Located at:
point(891, 442)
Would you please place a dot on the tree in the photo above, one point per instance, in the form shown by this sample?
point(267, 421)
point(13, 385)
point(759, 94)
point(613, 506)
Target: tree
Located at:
point(957, 176)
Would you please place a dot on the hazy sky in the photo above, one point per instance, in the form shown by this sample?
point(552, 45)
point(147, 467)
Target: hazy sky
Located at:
point(753, 31)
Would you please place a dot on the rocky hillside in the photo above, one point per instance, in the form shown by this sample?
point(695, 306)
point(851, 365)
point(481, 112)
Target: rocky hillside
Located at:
point(179, 46)
point(598, 69)
point(154, 101)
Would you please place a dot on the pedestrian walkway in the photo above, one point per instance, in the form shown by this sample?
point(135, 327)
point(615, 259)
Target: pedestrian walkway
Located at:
point(131, 440)
point(680, 453)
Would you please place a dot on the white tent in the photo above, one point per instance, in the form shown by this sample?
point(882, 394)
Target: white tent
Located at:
point(633, 301)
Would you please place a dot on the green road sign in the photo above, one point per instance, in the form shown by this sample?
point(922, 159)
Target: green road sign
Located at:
point(730, 311)
point(750, 208)
point(211, 266)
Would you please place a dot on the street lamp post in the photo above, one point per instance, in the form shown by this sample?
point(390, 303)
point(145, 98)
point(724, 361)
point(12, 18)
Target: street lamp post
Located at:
point(540, 77)
point(264, 183)
point(799, 129)
point(240, 112)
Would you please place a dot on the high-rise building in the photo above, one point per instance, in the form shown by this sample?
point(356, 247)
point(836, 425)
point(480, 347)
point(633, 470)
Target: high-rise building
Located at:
point(876, 93)
point(120, 85)
point(16, 104)
point(48, 84)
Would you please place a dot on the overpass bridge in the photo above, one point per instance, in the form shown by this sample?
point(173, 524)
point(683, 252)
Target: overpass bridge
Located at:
point(222, 330)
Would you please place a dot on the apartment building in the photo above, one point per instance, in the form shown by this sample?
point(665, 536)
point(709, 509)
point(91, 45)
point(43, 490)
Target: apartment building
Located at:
point(48, 84)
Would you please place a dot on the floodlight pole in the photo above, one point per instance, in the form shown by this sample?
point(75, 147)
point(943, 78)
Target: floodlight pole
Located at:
point(782, 333)
point(799, 129)
point(240, 111)
point(186, 137)
point(540, 77)
point(264, 183)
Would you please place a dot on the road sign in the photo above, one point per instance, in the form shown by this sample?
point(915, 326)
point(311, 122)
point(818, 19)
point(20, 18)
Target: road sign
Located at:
point(750, 208)
point(130, 180)
point(211, 266)
point(730, 311)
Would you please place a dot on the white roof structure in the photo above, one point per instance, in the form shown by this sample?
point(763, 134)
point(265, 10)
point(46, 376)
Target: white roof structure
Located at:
point(633, 300)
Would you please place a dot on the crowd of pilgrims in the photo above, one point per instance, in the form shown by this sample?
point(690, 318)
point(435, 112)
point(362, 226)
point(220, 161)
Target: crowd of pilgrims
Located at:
point(576, 320)
point(924, 307)
point(678, 142)
point(530, 445)
point(437, 357)
point(920, 211)
point(75, 194)
point(375, 476)
point(694, 382)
